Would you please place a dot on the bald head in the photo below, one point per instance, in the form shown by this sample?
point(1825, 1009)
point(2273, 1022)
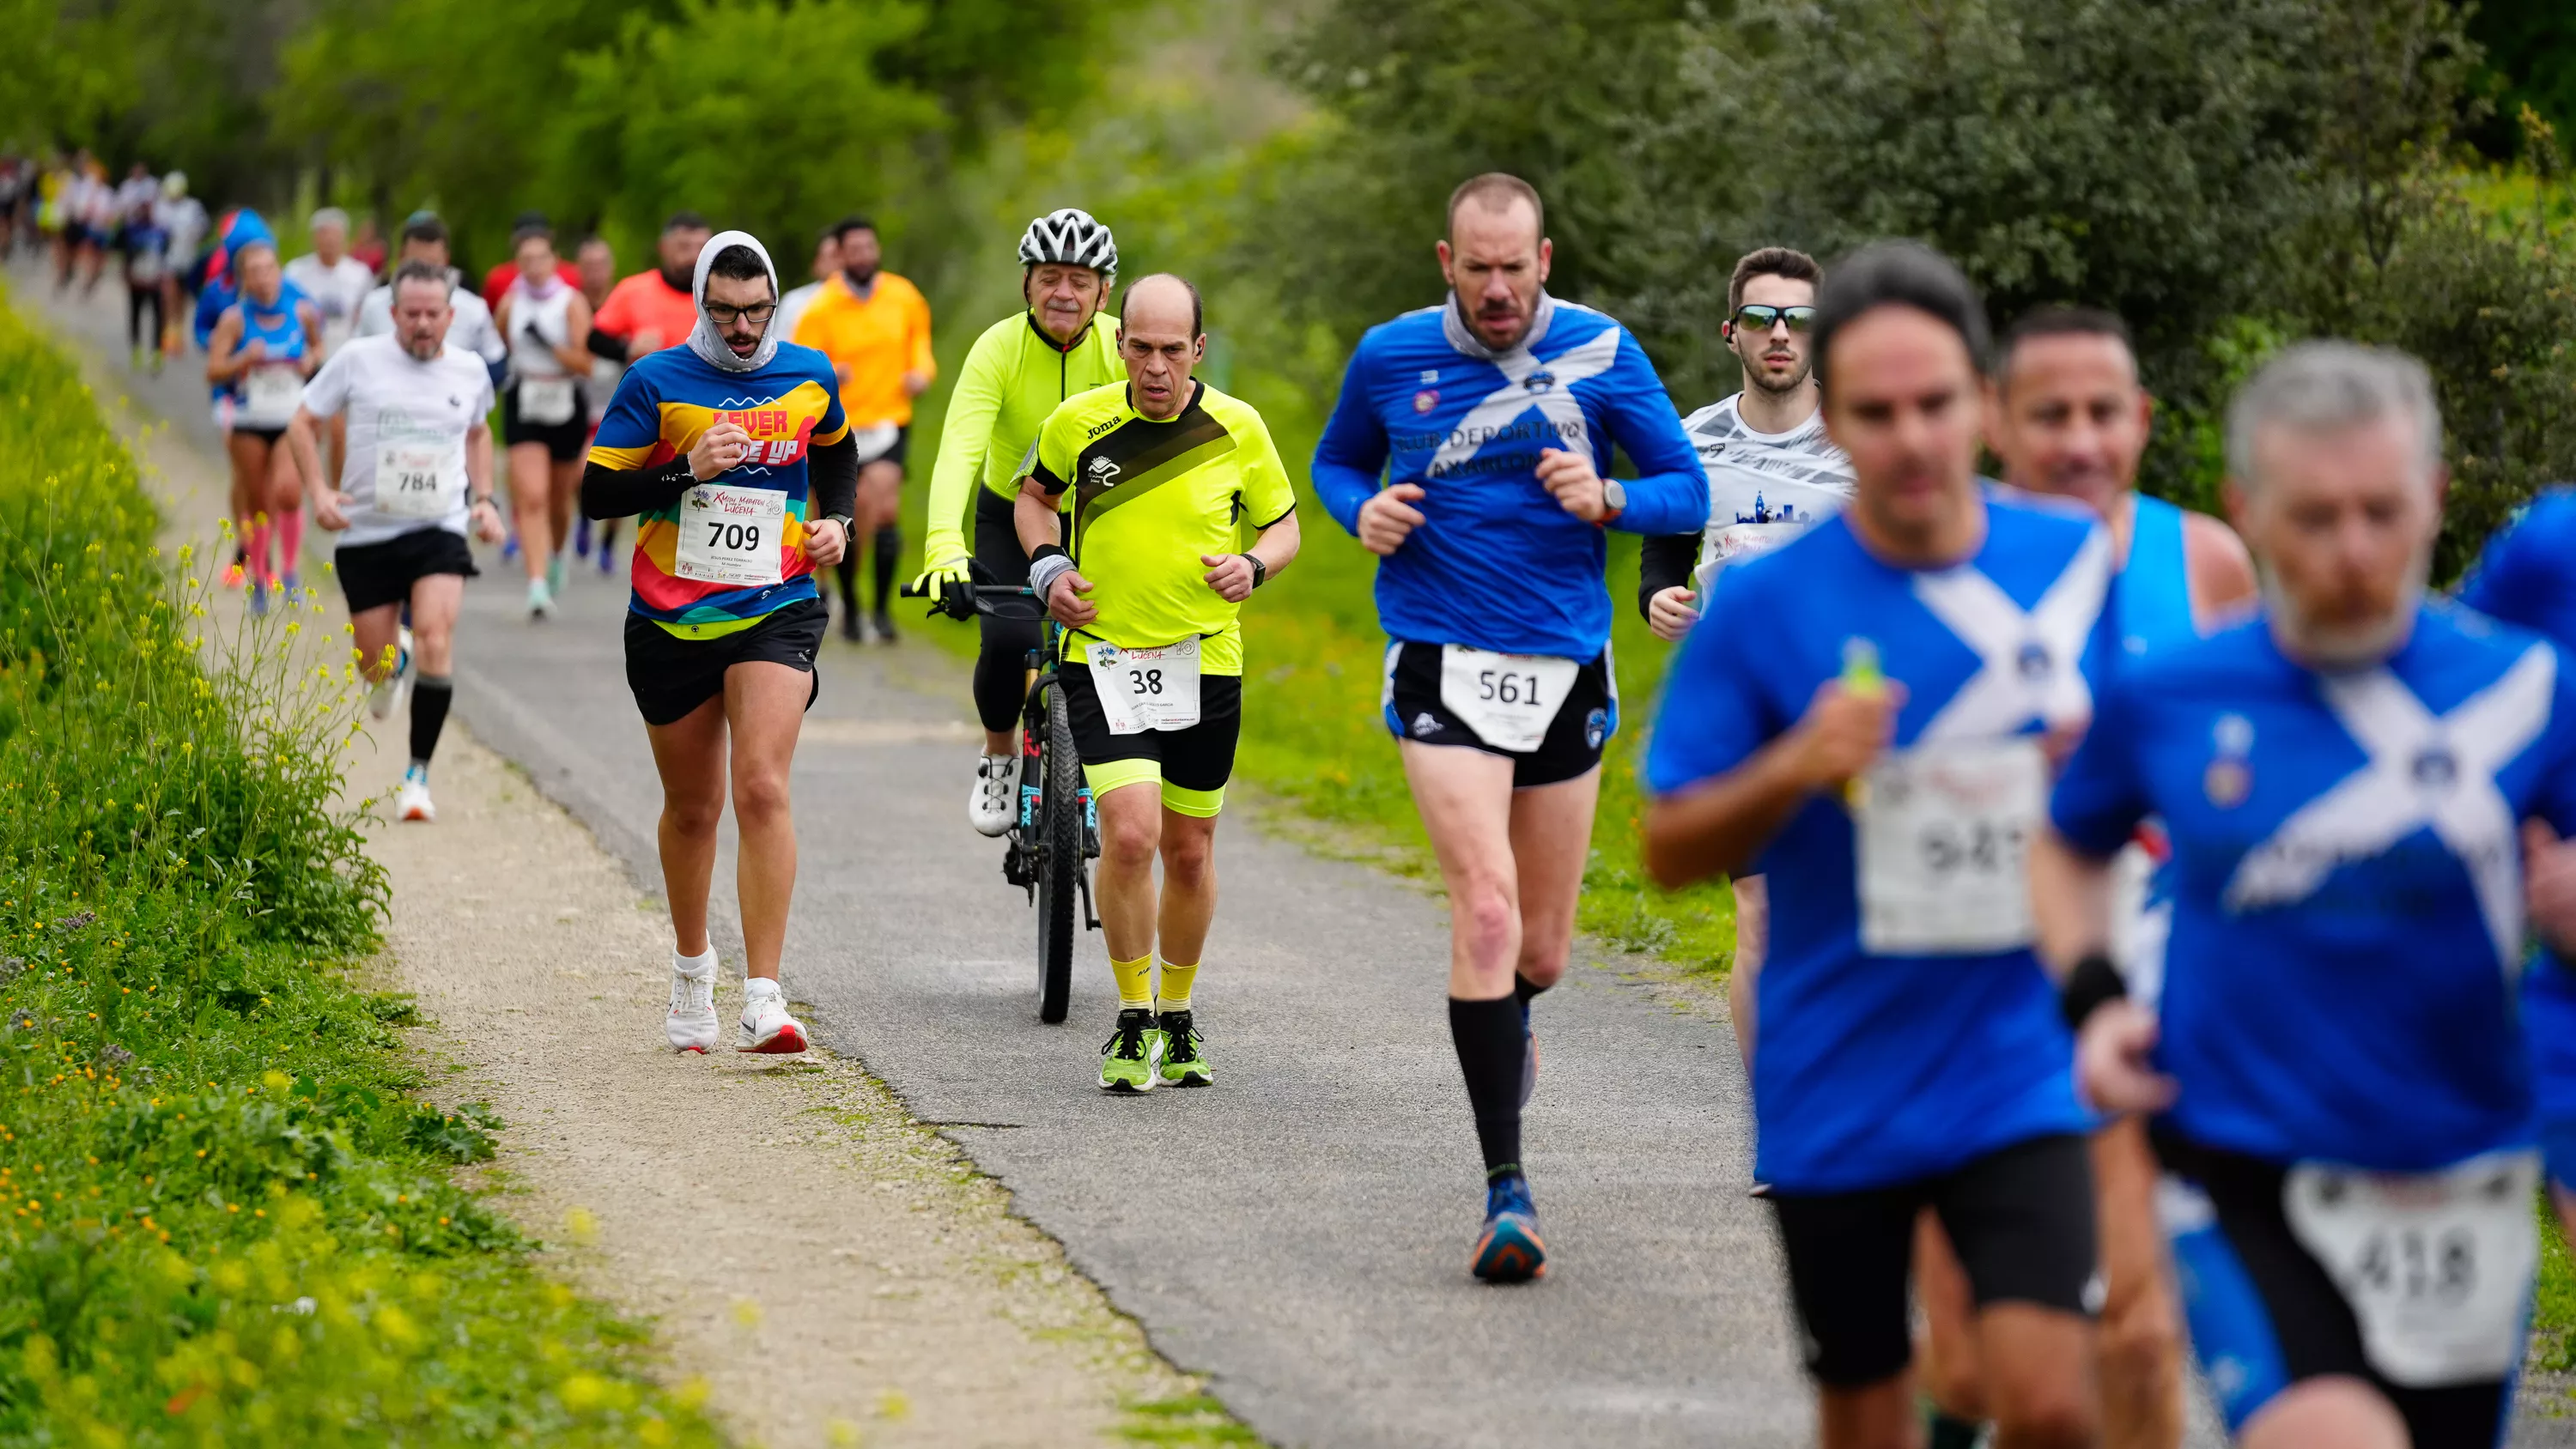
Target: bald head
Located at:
point(1163, 302)
point(1158, 339)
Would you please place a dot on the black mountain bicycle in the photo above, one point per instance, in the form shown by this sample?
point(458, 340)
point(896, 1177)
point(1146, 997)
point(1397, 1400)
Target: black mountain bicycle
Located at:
point(1057, 832)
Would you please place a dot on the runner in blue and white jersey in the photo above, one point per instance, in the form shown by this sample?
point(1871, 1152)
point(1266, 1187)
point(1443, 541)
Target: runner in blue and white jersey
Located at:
point(2067, 416)
point(2527, 576)
point(2340, 1072)
point(1772, 475)
point(1490, 418)
point(1865, 713)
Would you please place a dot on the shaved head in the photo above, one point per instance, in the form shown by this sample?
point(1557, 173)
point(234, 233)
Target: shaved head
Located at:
point(1159, 303)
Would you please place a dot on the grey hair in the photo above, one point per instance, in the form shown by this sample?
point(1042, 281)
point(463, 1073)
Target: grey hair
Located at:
point(329, 216)
point(2323, 386)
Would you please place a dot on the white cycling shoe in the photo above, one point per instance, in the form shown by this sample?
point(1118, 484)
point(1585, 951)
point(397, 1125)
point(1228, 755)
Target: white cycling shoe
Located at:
point(992, 806)
point(692, 1024)
point(766, 1026)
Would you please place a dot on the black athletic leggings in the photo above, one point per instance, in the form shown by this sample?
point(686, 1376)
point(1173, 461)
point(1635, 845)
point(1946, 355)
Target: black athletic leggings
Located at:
point(138, 299)
point(1001, 665)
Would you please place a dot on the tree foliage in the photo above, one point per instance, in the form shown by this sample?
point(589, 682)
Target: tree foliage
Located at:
point(2228, 175)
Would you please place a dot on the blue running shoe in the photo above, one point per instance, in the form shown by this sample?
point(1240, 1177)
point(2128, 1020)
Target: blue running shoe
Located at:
point(258, 599)
point(1509, 1250)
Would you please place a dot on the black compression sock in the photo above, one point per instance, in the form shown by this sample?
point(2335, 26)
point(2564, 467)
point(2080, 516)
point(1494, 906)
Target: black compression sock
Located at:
point(1490, 1047)
point(889, 550)
point(430, 696)
point(1523, 988)
point(847, 571)
point(1950, 1433)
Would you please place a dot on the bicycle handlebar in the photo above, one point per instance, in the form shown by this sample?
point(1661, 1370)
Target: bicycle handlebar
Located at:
point(965, 600)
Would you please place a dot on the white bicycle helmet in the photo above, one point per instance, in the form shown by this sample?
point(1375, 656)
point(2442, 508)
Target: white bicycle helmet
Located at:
point(1071, 237)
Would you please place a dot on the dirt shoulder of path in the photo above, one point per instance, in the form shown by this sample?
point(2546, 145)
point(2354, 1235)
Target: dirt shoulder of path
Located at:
point(835, 1272)
point(825, 1262)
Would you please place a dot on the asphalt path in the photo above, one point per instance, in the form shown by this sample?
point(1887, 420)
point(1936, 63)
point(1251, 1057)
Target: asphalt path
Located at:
point(1300, 1232)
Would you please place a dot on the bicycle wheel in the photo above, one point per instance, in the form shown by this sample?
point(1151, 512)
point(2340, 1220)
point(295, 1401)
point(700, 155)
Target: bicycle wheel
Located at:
point(1059, 861)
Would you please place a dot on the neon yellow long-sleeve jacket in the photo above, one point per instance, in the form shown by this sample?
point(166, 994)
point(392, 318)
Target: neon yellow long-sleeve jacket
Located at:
point(1013, 377)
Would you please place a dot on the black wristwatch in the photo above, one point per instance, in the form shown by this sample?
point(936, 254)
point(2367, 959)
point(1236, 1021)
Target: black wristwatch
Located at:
point(849, 525)
point(1260, 570)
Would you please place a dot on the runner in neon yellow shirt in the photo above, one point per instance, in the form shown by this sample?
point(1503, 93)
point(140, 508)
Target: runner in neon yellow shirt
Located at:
point(1161, 476)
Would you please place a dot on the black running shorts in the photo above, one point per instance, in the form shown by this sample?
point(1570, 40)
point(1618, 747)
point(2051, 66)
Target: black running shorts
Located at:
point(2021, 1219)
point(1583, 724)
point(672, 676)
point(2259, 1302)
point(373, 575)
point(563, 441)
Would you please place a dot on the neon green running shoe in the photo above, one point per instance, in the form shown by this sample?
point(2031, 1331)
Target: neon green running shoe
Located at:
point(1185, 1062)
point(1127, 1059)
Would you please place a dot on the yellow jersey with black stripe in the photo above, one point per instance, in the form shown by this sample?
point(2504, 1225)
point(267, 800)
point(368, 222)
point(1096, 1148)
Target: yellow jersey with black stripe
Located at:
point(661, 407)
point(1144, 499)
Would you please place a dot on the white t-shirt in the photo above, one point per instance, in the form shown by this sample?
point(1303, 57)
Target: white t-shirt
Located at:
point(409, 418)
point(470, 328)
point(791, 309)
point(1763, 488)
point(184, 218)
point(337, 291)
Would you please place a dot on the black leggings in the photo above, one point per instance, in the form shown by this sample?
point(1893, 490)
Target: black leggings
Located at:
point(1001, 666)
point(138, 299)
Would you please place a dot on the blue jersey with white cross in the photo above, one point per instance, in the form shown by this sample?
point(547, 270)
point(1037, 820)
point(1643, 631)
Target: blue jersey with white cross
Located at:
point(1873, 1069)
point(2347, 929)
point(2527, 576)
point(1496, 562)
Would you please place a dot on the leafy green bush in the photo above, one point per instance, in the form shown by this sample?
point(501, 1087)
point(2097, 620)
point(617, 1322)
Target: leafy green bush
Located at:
point(223, 1217)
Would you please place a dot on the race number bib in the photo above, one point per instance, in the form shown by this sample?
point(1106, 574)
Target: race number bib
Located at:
point(1509, 700)
point(546, 401)
point(1147, 689)
point(270, 391)
point(2436, 1266)
point(419, 480)
point(730, 535)
point(1941, 833)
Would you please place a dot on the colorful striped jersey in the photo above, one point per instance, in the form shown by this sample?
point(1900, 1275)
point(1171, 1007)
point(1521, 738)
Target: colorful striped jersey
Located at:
point(700, 588)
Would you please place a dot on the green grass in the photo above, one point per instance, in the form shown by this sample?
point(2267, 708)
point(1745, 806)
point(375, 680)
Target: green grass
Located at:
point(224, 1215)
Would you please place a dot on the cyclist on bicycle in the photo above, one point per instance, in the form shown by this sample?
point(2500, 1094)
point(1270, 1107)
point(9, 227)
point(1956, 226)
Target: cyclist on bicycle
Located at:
point(1015, 374)
point(1159, 474)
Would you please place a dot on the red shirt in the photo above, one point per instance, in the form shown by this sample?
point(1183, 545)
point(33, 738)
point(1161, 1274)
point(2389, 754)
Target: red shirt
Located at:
point(498, 280)
point(645, 302)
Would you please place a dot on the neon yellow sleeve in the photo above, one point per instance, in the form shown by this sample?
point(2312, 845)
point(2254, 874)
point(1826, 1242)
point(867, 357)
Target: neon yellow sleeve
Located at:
point(965, 436)
point(1268, 496)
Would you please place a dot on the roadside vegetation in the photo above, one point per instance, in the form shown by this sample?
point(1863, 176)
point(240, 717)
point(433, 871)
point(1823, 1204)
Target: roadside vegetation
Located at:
point(226, 1216)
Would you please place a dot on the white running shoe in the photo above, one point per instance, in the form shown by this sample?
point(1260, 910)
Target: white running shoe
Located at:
point(991, 807)
point(389, 693)
point(766, 1026)
point(411, 802)
point(541, 600)
point(692, 1025)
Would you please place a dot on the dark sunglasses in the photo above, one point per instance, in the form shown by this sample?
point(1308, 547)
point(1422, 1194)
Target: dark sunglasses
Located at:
point(1754, 317)
point(724, 316)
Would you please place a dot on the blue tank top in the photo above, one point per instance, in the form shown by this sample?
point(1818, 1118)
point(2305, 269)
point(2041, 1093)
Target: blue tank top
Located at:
point(2151, 596)
point(281, 328)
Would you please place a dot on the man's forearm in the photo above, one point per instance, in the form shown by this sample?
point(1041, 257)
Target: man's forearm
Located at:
point(2070, 901)
point(478, 465)
point(1034, 519)
point(308, 459)
point(1277, 545)
point(1719, 826)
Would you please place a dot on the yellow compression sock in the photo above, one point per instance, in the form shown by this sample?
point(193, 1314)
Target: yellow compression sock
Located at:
point(1135, 983)
point(1177, 981)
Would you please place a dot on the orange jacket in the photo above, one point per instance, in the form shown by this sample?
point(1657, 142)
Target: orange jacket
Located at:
point(872, 341)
